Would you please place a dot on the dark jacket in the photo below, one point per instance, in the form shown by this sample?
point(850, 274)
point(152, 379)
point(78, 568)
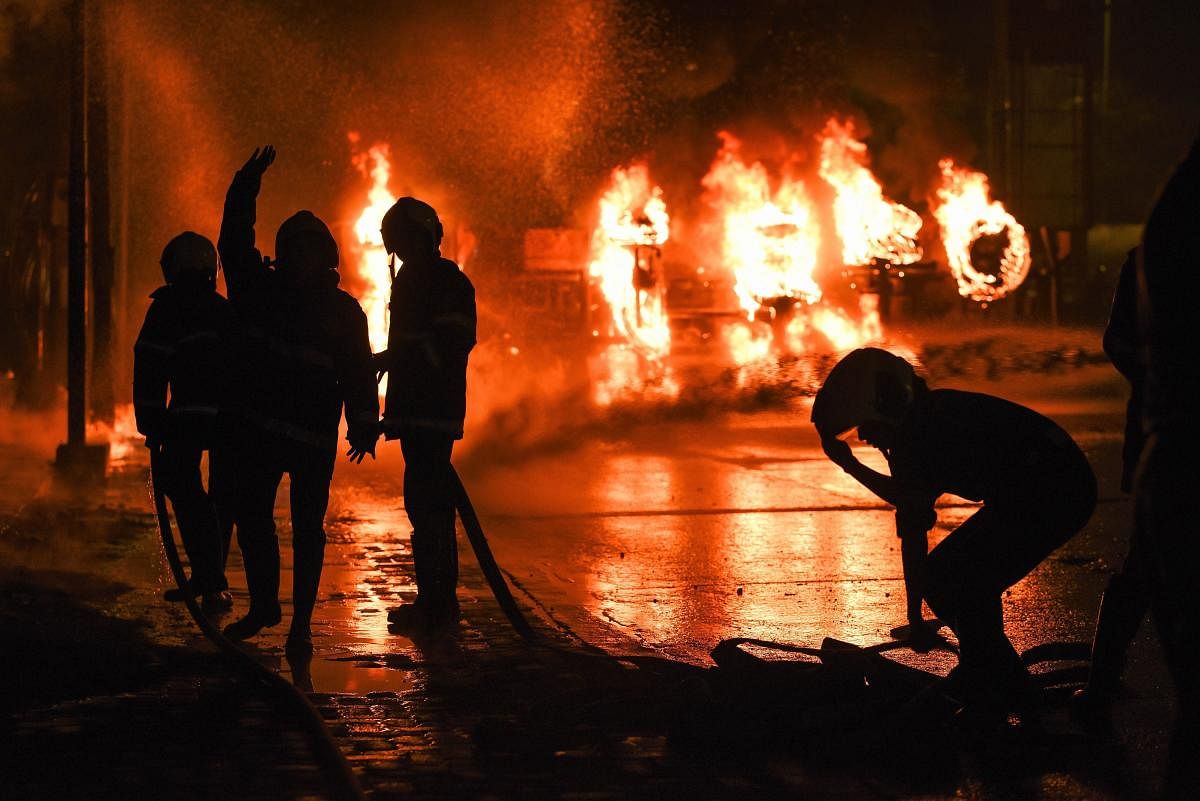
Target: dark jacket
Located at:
point(1167, 305)
point(180, 348)
point(302, 350)
point(1123, 346)
point(984, 448)
point(432, 333)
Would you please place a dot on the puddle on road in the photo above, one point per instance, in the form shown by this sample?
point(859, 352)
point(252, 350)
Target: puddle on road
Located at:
point(358, 678)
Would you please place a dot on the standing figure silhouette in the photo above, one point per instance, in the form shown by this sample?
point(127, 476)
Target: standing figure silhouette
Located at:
point(303, 356)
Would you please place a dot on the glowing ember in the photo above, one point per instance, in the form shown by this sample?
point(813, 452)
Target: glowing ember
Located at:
point(633, 224)
point(769, 242)
point(966, 213)
point(870, 226)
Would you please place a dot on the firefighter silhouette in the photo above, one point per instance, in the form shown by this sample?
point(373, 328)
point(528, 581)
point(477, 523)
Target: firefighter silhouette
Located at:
point(181, 349)
point(431, 336)
point(1168, 505)
point(302, 356)
point(1036, 486)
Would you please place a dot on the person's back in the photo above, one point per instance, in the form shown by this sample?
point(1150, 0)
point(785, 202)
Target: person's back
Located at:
point(981, 447)
point(303, 351)
point(1168, 475)
point(303, 355)
point(432, 334)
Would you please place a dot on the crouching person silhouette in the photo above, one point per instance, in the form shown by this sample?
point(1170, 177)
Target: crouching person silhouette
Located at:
point(180, 348)
point(303, 355)
point(431, 335)
point(1036, 486)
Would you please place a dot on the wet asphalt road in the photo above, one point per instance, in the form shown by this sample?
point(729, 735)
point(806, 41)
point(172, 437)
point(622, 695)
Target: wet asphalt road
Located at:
point(662, 539)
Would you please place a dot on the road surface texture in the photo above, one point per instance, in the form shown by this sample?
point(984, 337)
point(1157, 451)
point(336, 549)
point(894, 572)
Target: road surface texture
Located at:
point(635, 551)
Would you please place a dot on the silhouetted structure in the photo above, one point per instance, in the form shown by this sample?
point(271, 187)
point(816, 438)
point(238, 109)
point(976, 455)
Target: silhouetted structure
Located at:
point(432, 333)
point(181, 348)
point(302, 355)
point(1166, 488)
point(1037, 490)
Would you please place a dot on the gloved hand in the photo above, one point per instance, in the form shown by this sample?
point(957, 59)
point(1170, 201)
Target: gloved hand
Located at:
point(362, 440)
point(380, 363)
point(838, 451)
point(257, 164)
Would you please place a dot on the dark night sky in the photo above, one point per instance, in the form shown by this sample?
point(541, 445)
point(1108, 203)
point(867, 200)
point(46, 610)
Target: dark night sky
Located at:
point(512, 114)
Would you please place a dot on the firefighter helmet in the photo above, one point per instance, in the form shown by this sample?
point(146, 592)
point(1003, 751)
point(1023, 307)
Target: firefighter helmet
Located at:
point(305, 231)
point(408, 212)
point(868, 384)
point(189, 254)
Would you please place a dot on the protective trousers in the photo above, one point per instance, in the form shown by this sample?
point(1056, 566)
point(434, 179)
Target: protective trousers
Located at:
point(204, 515)
point(1168, 507)
point(968, 572)
point(430, 507)
point(261, 466)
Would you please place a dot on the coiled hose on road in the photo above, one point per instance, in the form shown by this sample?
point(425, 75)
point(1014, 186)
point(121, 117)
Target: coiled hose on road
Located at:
point(343, 783)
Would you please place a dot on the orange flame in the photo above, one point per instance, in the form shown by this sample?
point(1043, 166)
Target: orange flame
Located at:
point(376, 165)
point(769, 242)
point(870, 226)
point(965, 213)
point(633, 223)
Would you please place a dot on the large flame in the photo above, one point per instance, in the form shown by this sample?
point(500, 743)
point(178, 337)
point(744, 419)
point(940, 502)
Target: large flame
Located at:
point(870, 226)
point(769, 240)
point(375, 164)
point(966, 212)
point(633, 224)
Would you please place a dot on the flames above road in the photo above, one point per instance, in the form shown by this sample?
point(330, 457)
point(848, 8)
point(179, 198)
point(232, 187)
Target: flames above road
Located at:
point(870, 226)
point(769, 246)
point(769, 239)
point(967, 214)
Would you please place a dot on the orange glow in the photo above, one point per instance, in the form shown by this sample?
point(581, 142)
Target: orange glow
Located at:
point(374, 164)
point(769, 240)
point(123, 437)
point(633, 217)
point(870, 226)
point(965, 213)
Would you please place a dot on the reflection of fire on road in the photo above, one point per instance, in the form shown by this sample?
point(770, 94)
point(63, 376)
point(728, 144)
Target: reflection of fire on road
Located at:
point(971, 224)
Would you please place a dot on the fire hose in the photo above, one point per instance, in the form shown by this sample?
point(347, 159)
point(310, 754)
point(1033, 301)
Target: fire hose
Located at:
point(344, 783)
point(487, 561)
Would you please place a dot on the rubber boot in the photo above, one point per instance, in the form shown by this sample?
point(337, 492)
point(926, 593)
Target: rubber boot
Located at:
point(1120, 615)
point(414, 616)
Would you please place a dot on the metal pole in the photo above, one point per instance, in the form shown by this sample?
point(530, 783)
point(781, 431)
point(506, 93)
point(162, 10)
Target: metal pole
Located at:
point(77, 236)
point(101, 396)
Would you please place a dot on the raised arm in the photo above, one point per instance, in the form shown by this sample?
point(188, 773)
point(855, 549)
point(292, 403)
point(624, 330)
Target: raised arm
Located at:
point(241, 260)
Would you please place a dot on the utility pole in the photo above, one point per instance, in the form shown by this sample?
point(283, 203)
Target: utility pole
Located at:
point(101, 383)
point(76, 458)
